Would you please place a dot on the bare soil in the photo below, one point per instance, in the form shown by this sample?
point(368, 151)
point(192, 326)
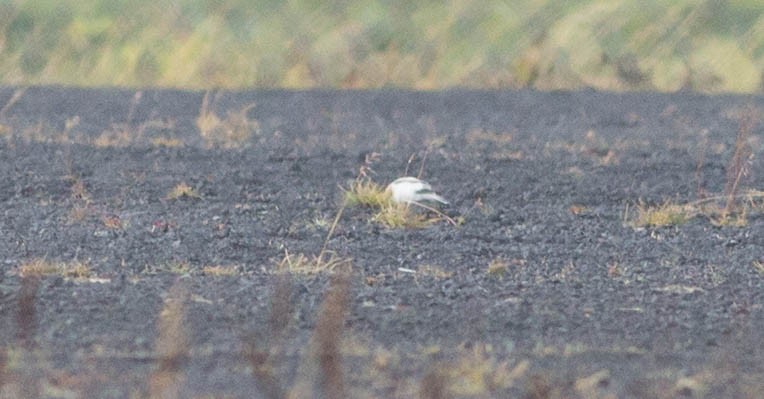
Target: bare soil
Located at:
point(182, 295)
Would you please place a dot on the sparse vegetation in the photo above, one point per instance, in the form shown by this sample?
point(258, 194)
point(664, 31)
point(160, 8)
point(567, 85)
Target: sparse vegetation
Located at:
point(473, 369)
point(671, 213)
point(233, 131)
point(365, 192)
point(758, 266)
point(182, 190)
point(476, 373)
point(739, 165)
point(434, 271)
point(177, 267)
point(320, 369)
point(79, 191)
point(393, 304)
point(326, 261)
point(666, 214)
point(43, 267)
point(497, 267)
point(81, 201)
point(395, 215)
point(112, 222)
point(217, 271)
point(119, 137)
point(78, 213)
point(731, 208)
point(181, 267)
point(169, 142)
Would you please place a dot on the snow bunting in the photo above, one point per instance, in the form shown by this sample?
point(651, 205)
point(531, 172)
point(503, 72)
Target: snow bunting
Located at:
point(410, 189)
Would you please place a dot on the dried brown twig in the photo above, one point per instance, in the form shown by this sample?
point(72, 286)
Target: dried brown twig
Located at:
point(740, 163)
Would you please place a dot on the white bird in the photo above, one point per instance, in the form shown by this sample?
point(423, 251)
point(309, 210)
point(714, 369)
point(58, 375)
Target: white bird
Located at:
point(410, 189)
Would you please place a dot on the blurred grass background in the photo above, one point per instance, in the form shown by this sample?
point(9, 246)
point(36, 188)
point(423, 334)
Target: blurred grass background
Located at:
point(666, 45)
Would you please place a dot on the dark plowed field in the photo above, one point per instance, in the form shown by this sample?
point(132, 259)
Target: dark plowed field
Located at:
point(142, 233)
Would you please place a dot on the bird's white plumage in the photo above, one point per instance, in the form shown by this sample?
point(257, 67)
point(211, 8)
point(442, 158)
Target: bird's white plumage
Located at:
point(410, 189)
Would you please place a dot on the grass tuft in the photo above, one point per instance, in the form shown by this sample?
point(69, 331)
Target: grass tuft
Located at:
point(167, 142)
point(311, 264)
point(434, 271)
point(364, 192)
point(182, 190)
point(714, 208)
point(394, 215)
point(40, 267)
point(758, 266)
point(112, 222)
point(666, 214)
point(233, 131)
point(218, 271)
point(497, 267)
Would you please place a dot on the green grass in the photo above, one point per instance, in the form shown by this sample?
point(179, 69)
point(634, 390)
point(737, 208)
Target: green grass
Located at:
point(618, 45)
